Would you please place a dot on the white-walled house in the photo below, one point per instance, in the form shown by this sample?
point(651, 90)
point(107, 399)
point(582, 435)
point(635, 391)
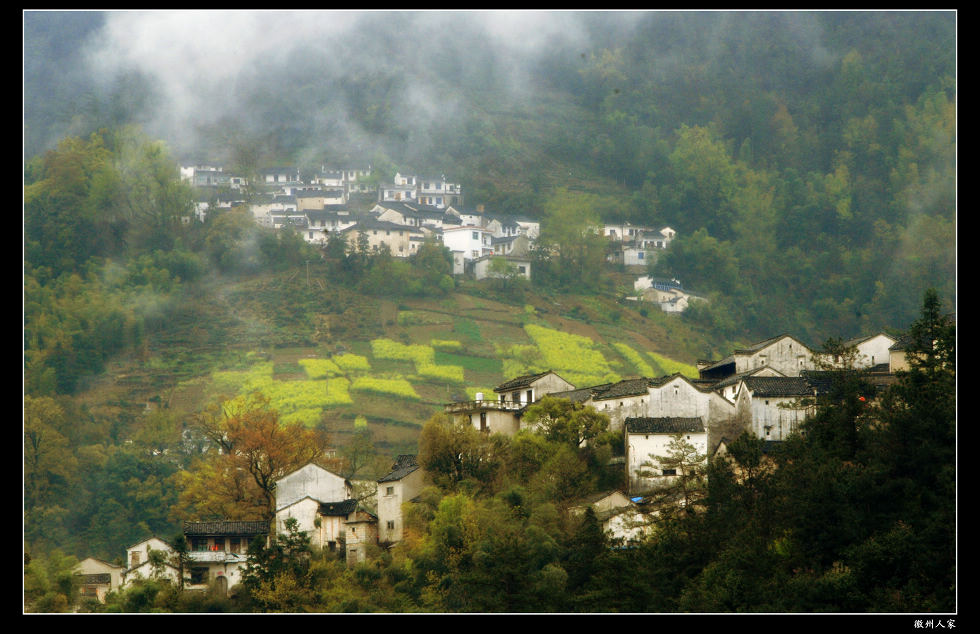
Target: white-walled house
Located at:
point(139, 565)
point(619, 517)
point(530, 388)
point(772, 407)
point(323, 506)
point(515, 266)
point(218, 552)
point(728, 387)
point(398, 238)
point(502, 415)
point(648, 439)
point(400, 485)
point(438, 192)
point(314, 481)
point(280, 176)
point(472, 242)
point(97, 578)
point(872, 350)
point(787, 354)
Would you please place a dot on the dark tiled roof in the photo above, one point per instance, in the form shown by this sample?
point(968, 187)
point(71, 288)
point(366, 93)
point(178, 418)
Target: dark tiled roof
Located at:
point(404, 465)
point(338, 508)
point(364, 224)
point(627, 387)
point(580, 395)
point(768, 342)
point(521, 381)
point(851, 343)
point(667, 425)
point(775, 386)
point(735, 378)
point(714, 365)
point(225, 527)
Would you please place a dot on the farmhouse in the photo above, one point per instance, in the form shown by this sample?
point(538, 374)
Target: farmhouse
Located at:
point(786, 354)
point(219, 552)
point(648, 441)
point(97, 578)
point(400, 485)
point(379, 234)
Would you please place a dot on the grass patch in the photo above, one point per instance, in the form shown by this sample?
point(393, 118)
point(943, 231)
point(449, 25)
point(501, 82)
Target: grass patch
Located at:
point(390, 387)
point(476, 364)
point(669, 366)
point(467, 328)
point(634, 358)
point(350, 362)
point(574, 357)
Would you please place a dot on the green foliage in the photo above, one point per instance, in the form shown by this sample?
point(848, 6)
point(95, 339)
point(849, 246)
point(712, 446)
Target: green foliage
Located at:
point(392, 387)
point(573, 356)
point(642, 367)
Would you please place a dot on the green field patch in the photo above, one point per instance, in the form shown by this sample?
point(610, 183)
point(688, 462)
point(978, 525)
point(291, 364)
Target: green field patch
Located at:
point(450, 373)
point(422, 318)
point(320, 368)
point(669, 366)
point(350, 362)
point(294, 400)
point(389, 349)
point(391, 387)
point(446, 345)
point(476, 364)
point(570, 354)
point(633, 357)
point(467, 329)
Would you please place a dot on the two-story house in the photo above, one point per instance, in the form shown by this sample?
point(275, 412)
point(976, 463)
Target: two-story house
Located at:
point(400, 485)
point(786, 354)
point(218, 551)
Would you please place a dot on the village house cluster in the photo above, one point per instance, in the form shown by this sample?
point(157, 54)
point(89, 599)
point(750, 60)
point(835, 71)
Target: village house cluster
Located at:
point(767, 389)
point(407, 211)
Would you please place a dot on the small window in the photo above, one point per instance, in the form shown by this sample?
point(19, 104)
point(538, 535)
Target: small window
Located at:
point(670, 472)
point(390, 491)
point(199, 575)
point(391, 525)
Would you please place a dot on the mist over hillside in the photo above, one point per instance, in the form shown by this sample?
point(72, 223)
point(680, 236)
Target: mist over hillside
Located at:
point(828, 136)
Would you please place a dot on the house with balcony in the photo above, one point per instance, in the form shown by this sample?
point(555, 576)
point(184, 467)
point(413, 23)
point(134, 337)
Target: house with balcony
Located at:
point(218, 552)
point(438, 192)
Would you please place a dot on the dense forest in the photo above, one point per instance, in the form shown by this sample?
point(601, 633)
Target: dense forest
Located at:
point(806, 160)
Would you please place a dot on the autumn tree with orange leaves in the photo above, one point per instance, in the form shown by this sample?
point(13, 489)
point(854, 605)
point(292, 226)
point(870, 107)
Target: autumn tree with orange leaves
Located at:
point(249, 449)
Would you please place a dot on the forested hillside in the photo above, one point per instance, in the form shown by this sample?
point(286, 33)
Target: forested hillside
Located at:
point(806, 160)
point(816, 151)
